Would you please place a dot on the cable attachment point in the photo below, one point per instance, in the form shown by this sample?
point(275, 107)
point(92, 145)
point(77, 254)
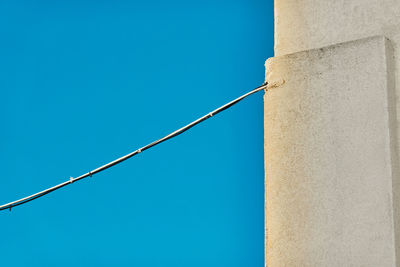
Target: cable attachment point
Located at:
point(266, 87)
point(10, 207)
point(90, 174)
point(71, 180)
point(210, 114)
point(139, 150)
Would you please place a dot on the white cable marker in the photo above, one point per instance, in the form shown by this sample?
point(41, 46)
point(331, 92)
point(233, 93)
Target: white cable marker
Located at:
point(127, 156)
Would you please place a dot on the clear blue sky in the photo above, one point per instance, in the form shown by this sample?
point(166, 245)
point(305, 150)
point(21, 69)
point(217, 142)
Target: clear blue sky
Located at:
point(84, 82)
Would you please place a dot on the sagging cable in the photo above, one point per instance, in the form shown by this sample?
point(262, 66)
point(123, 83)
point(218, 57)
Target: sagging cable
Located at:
point(127, 156)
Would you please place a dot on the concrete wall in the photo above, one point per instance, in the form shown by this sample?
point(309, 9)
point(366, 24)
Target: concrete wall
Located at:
point(331, 134)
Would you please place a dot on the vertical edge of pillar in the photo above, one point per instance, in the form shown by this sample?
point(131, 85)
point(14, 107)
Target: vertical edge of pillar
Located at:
point(394, 144)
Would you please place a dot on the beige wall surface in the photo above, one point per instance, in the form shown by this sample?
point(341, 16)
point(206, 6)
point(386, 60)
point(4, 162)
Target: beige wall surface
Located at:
point(328, 157)
point(307, 24)
point(331, 134)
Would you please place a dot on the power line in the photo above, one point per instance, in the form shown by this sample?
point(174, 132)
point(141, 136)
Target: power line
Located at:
point(127, 156)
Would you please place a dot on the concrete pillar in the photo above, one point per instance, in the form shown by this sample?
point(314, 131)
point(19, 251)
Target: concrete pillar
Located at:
point(331, 134)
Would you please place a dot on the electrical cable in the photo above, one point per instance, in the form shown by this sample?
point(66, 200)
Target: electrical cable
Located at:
point(71, 180)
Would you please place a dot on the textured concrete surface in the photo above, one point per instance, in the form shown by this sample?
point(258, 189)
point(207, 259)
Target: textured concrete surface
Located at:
point(308, 24)
point(330, 144)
